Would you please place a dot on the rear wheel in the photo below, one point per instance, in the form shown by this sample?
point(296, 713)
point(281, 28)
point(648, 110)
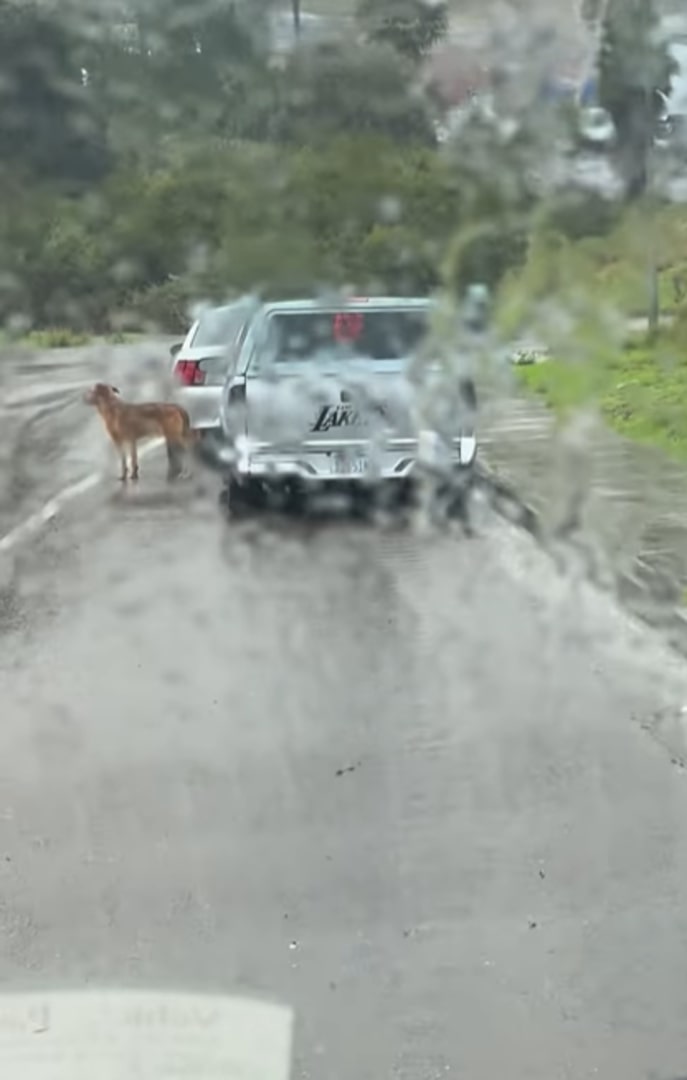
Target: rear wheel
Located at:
point(363, 501)
point(296, 499)
point(208, 446)
point(240, 497)
point(460, 494)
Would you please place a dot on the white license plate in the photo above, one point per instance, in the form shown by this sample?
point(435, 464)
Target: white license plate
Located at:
point(349, 465)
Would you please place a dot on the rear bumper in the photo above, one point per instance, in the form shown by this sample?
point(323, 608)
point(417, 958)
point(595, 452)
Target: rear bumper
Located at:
point(202, 405)
point(211, 444)
point(330, 463)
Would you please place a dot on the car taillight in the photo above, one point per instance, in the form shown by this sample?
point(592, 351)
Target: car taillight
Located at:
point(189, 372)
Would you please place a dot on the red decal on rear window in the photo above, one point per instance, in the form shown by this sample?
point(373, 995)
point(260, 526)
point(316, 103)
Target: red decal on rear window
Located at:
point(347, 326)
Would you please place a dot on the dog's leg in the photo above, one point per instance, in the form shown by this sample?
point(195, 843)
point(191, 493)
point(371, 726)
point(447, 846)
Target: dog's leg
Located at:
point(182, 458)
point(124, 474)
point(134, 461)
point(173, 465)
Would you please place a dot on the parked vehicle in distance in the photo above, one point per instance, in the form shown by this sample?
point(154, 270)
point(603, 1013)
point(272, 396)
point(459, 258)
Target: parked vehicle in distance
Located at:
point(596, 128)
point(323, 396)
point(201, 361)
point(597, 131)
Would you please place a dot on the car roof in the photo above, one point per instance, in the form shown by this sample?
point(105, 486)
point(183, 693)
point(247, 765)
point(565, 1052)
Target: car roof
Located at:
point(374, 303)
point(247, 302)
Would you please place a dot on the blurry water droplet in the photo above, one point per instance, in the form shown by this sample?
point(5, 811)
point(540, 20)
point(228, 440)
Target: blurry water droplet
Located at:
point(390, 210)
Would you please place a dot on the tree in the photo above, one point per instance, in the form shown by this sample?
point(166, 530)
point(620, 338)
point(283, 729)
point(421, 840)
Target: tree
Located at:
point(591, 10)
point(412, 27)
point(176, 67)
point(332, 89)
point(633, 65)
point(48, 123)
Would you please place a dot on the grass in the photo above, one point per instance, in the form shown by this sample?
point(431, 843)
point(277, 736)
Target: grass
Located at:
point(619, 262)
point(613, 269)
point(55, 338)
point(641, 391)
point(123, 337)
point(65, 338)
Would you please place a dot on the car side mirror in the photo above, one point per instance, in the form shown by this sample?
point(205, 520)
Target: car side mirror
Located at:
point(175, 350)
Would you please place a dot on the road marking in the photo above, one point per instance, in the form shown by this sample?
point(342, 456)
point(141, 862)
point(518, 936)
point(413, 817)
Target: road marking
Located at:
point(58, 394)
point(52, 508)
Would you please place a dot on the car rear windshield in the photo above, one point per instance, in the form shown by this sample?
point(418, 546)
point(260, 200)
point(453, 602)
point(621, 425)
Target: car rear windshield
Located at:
point(220, 326)
point(375, 335)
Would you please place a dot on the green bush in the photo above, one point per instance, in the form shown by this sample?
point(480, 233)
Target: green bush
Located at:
point(335, 89)
point(640, 390)
point(678, 331)
point(56, 338)
point(597, 273)
point(214, 167)
point(578, 214)
point(161, 308)
point(485, 253)
point(358, 210)
point(210, 217)
point(396, 259)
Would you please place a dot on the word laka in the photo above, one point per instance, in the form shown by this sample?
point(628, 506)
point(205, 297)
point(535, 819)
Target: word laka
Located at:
point(336, 416)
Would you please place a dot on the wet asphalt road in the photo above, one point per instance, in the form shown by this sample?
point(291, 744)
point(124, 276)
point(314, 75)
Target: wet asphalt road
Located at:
point(48, 438)
point(421, 788)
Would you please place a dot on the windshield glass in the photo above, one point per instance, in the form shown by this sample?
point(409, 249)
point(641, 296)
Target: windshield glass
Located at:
point(373, 335)
point(220, 326)
point(343, 535)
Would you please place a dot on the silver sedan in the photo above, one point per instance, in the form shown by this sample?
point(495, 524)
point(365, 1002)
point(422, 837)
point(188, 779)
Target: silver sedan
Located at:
point(200, 363)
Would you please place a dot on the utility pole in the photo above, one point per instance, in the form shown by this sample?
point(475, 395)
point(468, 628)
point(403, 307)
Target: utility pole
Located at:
point(296, 10)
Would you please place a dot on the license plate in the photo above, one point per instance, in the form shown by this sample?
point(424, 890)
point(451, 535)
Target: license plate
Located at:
point(349, 465)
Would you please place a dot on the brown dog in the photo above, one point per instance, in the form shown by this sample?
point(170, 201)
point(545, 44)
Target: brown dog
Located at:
point(127, 424)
